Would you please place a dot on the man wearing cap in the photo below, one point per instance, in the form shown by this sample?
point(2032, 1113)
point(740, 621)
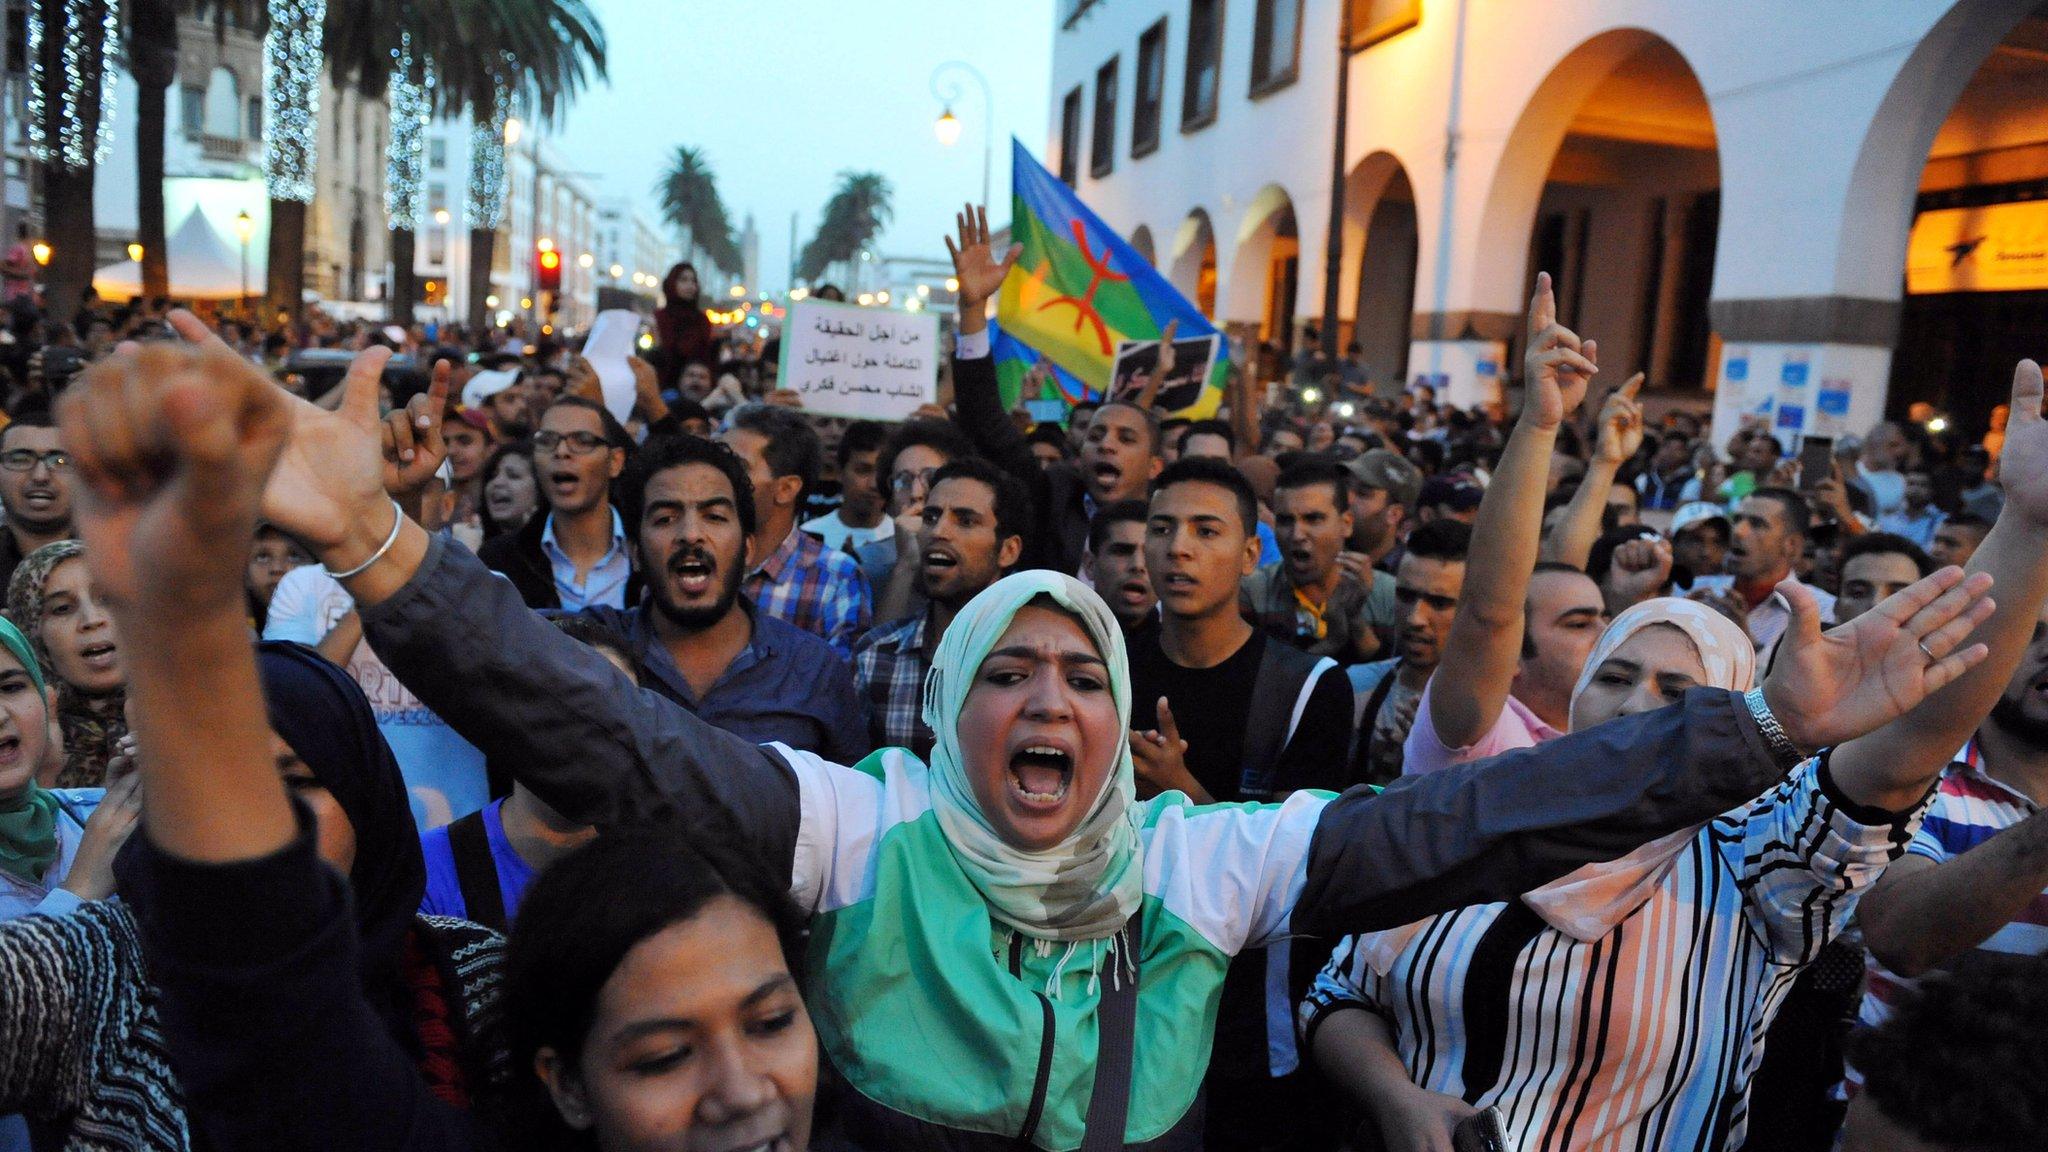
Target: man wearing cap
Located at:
point(1306, 599)
point(1699, 542)
point(1384, 488)
point(500, 396)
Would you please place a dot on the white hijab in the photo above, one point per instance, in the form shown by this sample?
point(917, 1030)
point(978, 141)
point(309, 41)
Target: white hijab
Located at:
point(1088, 885)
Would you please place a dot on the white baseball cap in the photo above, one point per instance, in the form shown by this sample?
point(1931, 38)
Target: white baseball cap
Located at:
point(484, 385)
point(1697, 512)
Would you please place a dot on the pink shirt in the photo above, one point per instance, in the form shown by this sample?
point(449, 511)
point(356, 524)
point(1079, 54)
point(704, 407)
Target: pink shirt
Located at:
point(1425, 751)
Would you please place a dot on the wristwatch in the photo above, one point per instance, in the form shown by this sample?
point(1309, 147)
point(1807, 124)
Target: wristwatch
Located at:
point(1786, 754)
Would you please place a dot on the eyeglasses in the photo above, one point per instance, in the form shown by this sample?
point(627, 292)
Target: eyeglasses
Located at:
point(25, 460)
point(905, 481)
point(580, 443)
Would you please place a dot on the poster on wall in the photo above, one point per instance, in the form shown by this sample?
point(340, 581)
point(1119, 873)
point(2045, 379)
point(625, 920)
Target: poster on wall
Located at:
point(1991, 248)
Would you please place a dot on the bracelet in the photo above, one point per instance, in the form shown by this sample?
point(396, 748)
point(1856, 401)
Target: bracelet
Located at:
point(383, 550)
point(1786, 754)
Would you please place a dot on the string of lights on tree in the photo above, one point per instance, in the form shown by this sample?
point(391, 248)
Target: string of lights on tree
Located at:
point(487, 164)
point(85, 96)
point(291, 88)
point(411, 95)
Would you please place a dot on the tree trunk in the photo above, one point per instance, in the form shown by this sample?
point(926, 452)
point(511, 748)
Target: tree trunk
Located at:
point(285, 272)
point(405, 283)
point(482, 242)
point(153, 61)
point(67, 217)
point(150, 104)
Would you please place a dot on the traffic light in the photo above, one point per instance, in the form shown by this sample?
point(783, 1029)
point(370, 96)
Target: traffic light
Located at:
point(547, 265)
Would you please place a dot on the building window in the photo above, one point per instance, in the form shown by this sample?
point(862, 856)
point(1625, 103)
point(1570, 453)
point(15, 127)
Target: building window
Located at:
point(1070, 137)
point(223, 113)
point(1205, 64)
point(437, 152)
point(1276, 45)
point(191, 109)
point(1102, 148)
point(1375, 20)
point(255, 131)
point(1151, 94)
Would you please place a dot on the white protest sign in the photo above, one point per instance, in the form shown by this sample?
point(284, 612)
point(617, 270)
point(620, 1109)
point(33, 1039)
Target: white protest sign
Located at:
point(862, 363)
point(610, 343)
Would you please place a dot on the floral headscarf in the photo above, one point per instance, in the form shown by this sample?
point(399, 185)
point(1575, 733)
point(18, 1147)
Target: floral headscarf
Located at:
point(91, 724)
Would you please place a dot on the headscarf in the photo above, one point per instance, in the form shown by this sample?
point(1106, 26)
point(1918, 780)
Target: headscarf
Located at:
point(28, 822)
point(321, 712)
point(1088, 885)
point(1725, 650)
point(91, 724)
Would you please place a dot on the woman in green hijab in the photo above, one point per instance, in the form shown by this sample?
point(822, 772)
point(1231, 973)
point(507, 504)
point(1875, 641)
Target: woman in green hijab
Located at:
point(46, 861)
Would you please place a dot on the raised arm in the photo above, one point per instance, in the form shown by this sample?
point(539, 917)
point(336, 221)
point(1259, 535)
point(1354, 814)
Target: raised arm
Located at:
point(1471, 683)
point(1620, 433)
point(975, 394)
point(1497, 828)
point(556, 714)
point(1893, 768)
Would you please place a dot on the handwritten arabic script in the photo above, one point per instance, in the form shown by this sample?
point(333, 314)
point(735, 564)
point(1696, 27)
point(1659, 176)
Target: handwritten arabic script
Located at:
point(864, 363)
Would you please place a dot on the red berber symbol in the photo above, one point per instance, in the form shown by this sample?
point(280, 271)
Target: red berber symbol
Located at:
point(1084, 304)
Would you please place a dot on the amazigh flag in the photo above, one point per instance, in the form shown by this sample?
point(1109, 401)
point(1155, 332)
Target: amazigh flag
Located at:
point(1093, 307)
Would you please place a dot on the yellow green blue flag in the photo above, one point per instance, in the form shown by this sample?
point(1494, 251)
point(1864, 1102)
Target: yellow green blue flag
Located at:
point(1093, 308)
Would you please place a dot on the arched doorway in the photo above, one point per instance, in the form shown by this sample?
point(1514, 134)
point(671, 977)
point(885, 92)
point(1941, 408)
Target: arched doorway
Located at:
point(1380, 238)
point(1193, 269)
point(1141, 239)
point(1975, 268)
point(1265, 272)
point(1611, 183)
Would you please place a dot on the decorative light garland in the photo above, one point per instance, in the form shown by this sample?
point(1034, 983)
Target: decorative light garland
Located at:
point(411, 113)
point(86, 98)
point(291, 87)
point(487, 163)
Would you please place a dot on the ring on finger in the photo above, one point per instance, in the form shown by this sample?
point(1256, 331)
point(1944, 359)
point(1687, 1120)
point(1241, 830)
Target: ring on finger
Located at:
point(1929, 652)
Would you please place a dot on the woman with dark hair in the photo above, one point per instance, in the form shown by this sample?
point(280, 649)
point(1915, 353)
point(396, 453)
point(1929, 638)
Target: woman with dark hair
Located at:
point(682, 332)
point(53, 602)
point(511, 489)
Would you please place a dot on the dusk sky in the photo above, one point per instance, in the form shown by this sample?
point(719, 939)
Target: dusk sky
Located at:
point(784, 94)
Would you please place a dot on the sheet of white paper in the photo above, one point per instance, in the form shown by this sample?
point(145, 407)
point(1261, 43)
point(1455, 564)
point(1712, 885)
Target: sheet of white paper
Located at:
point(610, 343)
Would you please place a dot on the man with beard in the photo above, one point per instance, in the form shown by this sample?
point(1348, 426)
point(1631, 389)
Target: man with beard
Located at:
point(1306, 599)
point(971, 535)
point(1384, 489)
point(1119, 450)
point(577, 555)
point(1771, 525)
point(694, 638)
point(1969, 892)
point(1426, 589)
point(1116, 566)
point(35, 488)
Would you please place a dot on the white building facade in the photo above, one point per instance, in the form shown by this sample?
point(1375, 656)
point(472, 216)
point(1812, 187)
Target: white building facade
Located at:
point(1724, 192)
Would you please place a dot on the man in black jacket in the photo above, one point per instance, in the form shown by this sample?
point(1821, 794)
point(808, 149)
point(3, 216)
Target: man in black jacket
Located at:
point(1119, 450)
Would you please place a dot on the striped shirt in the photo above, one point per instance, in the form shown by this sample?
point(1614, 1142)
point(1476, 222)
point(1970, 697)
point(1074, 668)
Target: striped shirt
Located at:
point(818, 590)
point(1648, 1037)
point(1969, 808)
point(889, 665)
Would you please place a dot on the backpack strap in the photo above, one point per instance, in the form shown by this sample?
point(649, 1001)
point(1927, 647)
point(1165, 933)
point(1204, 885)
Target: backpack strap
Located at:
point(1109, 1103)
point(475, 872)
point(1373, 704)
point(1280, 693)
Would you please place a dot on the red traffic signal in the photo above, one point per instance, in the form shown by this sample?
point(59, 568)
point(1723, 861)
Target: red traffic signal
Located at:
point(547, 265)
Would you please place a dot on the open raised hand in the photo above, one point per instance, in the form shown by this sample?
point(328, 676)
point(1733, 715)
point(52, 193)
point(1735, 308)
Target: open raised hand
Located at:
point(172, 447)
point(975, 263)
point(1830, 688)
point(1557, 366)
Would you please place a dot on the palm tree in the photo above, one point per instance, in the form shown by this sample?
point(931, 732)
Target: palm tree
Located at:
point(69, 88)
point(483, 57)
point(858, 210)
point(690, 202)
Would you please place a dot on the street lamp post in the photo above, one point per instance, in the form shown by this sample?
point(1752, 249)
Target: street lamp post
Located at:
point(244, 225)
point(945, 86)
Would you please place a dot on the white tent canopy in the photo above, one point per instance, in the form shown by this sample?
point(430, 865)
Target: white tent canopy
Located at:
point(203, 267)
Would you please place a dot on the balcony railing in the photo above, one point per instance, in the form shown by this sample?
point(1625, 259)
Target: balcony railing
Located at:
point(228, 148)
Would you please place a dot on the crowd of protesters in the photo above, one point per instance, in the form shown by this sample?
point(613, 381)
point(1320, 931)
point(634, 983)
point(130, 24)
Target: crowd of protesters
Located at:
point(398, 750)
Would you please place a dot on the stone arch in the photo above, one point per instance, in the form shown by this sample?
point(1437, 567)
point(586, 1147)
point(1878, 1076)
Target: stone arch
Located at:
point(1265, 266)
point(1141, 239)
point(1192, 262)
